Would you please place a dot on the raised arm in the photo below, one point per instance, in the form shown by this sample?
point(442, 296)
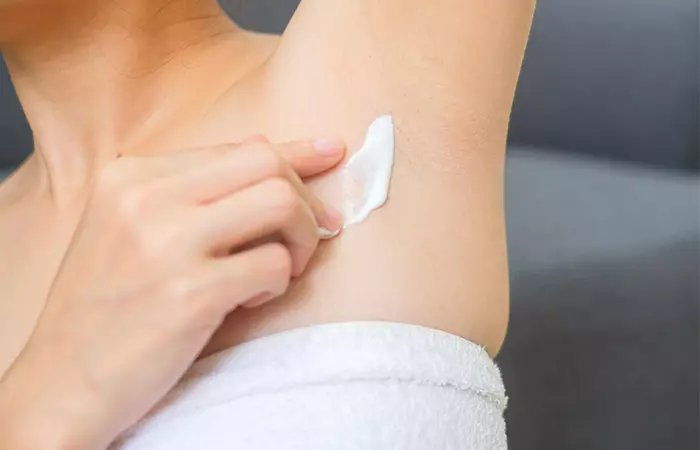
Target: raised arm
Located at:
point(446, 70)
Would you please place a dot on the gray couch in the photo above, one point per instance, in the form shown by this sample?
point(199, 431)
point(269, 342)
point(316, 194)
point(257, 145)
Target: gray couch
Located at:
point(603, 221)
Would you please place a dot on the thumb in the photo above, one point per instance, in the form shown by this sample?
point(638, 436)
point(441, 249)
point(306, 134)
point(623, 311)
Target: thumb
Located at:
point(309, 158)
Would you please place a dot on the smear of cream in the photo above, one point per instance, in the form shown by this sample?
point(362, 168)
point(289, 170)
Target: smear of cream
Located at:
point(361, 185)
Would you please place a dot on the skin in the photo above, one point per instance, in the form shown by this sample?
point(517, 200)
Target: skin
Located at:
point(116, 305)
point(139, 78)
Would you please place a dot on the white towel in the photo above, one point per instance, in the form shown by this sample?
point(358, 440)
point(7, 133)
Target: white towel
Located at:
point(345, 386)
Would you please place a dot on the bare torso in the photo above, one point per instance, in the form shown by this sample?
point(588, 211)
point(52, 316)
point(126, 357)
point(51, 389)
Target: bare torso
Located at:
point(435, 255)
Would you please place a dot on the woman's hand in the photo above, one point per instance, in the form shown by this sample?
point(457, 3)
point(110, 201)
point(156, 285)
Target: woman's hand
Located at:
point(166, 248)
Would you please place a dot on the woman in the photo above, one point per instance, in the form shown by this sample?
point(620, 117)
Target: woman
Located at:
point(114, 91)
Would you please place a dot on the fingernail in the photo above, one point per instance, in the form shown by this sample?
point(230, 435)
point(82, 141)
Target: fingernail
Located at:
point(327, 234)
point(334, 221)
point(328, 147)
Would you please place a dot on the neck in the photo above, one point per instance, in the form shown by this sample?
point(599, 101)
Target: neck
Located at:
point(105, 79)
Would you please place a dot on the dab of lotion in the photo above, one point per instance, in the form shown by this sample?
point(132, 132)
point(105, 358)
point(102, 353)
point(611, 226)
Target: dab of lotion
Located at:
point(361, 184)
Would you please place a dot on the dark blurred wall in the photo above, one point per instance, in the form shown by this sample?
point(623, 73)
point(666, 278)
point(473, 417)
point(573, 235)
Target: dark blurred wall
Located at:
point(15, 136)
point(613, 79)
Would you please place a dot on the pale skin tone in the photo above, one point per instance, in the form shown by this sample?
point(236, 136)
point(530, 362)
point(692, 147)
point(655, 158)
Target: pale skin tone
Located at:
point(139, 78)
point(117, 305)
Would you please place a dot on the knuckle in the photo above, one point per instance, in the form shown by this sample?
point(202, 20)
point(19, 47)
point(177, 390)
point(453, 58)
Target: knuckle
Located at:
point(149, 245)
point(130, 202)
point(128, 189)
point(273, 164)
point(284, 199)
point(276, 263)
point(180, 288)
point(121, 195)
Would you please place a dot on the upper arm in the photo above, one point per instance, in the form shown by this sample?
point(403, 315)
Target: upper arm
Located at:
point(446, 71)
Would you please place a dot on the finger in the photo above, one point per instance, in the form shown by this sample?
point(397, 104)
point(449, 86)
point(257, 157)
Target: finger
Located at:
point(329, 219)
point(268, 208)
point(308, 158)
point(237, 169)
point(258, 274)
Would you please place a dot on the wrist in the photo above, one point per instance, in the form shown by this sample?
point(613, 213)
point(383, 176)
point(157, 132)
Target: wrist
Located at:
point(23, 427)
point(36, 412)
point(22, 432)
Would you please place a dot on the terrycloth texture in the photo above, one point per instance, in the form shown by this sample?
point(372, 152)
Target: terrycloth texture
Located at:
point(349, 386)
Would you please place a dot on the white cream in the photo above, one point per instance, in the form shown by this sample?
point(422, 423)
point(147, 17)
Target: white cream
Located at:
point(361, 185)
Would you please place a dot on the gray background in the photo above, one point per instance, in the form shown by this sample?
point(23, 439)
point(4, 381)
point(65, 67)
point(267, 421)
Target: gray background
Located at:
point(603, 222)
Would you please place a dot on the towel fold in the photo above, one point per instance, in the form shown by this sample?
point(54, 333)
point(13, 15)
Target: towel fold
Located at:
point(344, 386)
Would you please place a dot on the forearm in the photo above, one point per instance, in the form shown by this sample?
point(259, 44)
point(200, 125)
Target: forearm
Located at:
point(20, 430)
point(39, 411)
